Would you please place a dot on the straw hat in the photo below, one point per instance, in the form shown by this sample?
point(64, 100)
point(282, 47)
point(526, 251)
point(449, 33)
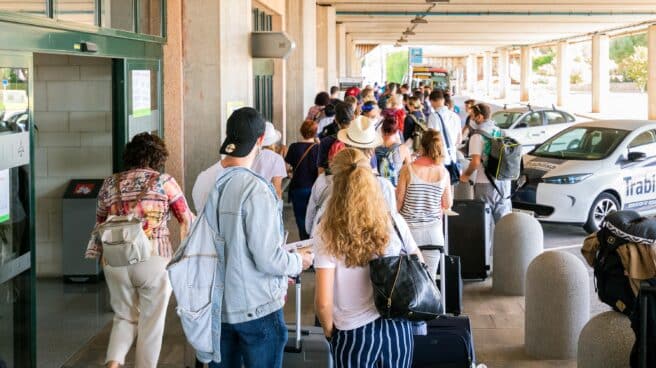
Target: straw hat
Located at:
point(361, 133)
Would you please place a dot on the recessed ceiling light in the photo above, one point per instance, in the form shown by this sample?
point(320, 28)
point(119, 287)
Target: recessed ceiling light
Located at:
point(418, 20)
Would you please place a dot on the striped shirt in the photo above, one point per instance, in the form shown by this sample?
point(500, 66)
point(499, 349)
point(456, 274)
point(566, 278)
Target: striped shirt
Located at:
point(164, 197)
point(423, 200)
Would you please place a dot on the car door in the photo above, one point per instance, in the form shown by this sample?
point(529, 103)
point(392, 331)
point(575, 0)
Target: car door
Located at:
point(639, 174)
point(555, 122)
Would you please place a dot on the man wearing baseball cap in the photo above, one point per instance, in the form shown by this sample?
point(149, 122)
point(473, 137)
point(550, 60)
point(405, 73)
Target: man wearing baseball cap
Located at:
point(256, 266)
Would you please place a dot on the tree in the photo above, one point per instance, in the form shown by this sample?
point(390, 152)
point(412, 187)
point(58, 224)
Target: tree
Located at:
point(623, 47)
point(634, 67)
point(396, 66)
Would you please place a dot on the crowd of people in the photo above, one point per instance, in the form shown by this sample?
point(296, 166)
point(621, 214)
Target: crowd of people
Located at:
point(368, 178)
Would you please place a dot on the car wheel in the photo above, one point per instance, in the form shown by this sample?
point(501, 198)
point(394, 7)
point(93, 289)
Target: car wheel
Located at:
point(602, 206)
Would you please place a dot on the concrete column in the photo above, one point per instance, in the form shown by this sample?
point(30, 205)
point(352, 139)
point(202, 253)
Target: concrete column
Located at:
point(341, 49)
point(216, 80)
point(301, 64)
point(562, 73)
point(600, 72)
point(651, 67)
point(173, 92)
point(280, 82)
point(487, 72)
point(471, 73)
point(326, 44)
point(350, 55)
point(525, 79)
point(504, 73)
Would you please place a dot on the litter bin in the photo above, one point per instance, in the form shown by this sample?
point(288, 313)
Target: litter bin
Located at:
point(79, 218)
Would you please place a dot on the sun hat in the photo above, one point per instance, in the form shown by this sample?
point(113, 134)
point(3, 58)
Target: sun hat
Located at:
point(361, 133)
point(243, 128)
point(271, 135)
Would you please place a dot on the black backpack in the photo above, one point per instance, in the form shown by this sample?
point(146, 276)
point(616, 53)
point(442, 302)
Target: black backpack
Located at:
point(418, 131)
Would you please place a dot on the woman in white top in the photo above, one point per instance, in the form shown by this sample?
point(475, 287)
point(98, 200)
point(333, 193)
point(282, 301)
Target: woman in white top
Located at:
point(424, 191)
point(269, 164)
point(355, 228)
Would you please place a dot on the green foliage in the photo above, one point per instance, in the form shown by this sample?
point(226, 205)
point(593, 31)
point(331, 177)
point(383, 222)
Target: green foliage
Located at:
point(396, 66)
point(634, 67)
point(623, 47)
point(542, 60)
point(575, 78)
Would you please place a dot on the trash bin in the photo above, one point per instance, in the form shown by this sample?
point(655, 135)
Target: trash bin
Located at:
point(79, 218)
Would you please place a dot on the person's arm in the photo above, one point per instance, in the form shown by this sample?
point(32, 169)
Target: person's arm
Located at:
point(178, 205)
point(405, 154)
point(323, 298)
point(311, 210)
point(475, 151)
point(409, 244)
point(277, 185)
point(447, 194)
point(402, 187)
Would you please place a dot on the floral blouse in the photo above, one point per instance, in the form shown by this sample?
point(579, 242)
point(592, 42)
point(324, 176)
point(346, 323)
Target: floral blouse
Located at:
point(162, 198)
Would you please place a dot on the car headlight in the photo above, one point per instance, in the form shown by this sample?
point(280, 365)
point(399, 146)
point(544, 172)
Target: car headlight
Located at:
point(566, 179)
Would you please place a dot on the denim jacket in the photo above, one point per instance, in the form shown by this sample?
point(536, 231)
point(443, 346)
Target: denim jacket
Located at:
point(243, 275)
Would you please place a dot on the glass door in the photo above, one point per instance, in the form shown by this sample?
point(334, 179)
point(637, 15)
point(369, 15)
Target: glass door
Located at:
point(17, 296)
point(137, 102)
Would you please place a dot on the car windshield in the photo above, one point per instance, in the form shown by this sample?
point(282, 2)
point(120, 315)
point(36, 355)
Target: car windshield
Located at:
point(582, 143)
point(504, 119)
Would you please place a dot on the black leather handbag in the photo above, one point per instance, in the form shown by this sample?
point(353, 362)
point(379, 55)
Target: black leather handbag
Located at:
point(403, 287)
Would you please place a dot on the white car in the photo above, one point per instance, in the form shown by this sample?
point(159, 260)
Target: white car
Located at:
point(531, 126)
point(585, 172)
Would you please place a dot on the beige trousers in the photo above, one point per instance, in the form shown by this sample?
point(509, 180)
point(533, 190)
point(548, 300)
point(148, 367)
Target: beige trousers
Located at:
point(139, 297)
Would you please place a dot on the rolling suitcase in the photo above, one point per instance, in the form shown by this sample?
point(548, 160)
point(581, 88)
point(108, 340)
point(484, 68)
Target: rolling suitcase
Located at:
point(452, 276)
point(307, 346)
point(643, 322)
point(471, 237)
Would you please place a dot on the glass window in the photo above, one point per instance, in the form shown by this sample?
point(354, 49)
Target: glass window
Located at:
point(504, 119)
point(118, 14)
point(554, 117)
point(14, 105)
point(645, 138)
point(78, 11)
point(150, 17)
point(582, 143)
point(35, 7)
point(532, 120)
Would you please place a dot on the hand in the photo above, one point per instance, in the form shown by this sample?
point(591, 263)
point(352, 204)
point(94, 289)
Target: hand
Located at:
point(308, 258)
point(464, 178)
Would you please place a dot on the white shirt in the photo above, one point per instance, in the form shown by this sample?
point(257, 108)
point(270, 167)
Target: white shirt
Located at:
point(321, 192)
point(204, 185)
point(269, 164)
point(353, 301)
point(477, 146)
point(324, 122)
point(453, 127)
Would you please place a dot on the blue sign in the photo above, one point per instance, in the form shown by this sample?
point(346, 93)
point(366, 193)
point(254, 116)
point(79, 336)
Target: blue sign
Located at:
point(416, 55)
point(5, 83)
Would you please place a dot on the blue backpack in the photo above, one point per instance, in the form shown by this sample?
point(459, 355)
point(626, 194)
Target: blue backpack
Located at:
point(387, 167)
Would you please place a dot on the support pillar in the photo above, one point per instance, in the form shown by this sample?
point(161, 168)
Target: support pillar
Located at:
point(487, 72)
point(301, 64)
point(651, 67)
point(504, 73)
point(562, 73)
point(326, 44)
point(600, 72)
point(471, 73)
point(525, 78)
point(341, 50)
point(350, 55)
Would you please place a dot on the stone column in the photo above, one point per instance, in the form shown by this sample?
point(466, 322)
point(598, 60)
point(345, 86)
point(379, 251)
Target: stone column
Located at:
point(487, 72)
point(350, 55)
point(341, 49)
point(301, 64)
point(504, 73)
point(471, 73)
point(600, 72)
point(651, 67)
point(326, 44)
point(216, 80)
point(525, 79)
point(562, 73)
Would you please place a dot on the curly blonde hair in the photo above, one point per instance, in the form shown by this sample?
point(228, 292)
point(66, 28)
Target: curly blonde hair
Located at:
point(355, 227)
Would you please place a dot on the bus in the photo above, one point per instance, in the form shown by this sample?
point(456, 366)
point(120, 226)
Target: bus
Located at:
point(436, 78)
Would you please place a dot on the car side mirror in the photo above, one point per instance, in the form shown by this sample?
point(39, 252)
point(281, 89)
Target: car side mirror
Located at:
point(521, 125)
point(637, 156)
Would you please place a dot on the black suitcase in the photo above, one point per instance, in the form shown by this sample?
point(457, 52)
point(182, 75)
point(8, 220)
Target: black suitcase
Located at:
point(643, 322)
point(449, 344)
point(452, 288)
point(470, 237)
point(307, 346)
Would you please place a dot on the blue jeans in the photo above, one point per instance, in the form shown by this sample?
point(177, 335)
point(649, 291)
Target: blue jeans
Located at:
point(253, 344)
point(300, 198)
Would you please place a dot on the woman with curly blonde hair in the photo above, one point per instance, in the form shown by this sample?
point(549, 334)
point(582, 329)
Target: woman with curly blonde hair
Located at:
point(356, 227)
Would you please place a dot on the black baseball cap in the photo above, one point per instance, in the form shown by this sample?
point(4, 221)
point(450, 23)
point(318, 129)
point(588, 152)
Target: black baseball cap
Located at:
point(245, 126)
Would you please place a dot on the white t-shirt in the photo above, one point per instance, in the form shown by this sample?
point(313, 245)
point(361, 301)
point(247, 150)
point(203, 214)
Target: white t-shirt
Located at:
point(204, 184)
point(477, 146)
point(353, 298)
point(269, 164)
point(324, 122)
point(453, 127)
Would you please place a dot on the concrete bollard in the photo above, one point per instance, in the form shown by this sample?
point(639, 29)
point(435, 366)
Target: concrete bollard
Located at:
point(557, 305)
point(518, 239)
point(463, 191)
point(606, 342)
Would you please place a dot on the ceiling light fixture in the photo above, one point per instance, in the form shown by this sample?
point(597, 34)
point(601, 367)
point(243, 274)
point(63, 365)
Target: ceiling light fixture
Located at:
point(437, 1)
point(401, 40)
point(409, 32)
point(419, 20)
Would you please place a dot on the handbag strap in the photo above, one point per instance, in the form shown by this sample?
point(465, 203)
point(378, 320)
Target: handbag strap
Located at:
point(398, 233)
point(445, 133)
point(307, 150)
